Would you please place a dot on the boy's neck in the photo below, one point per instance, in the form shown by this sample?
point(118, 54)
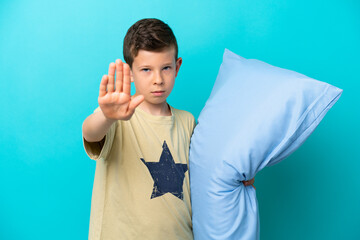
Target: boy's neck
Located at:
point(162, 109)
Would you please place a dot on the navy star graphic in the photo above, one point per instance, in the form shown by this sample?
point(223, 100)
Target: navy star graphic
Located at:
point(168, 176)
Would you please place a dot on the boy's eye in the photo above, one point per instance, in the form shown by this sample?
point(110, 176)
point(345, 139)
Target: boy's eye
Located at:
point(145, 69)
point(167, 68)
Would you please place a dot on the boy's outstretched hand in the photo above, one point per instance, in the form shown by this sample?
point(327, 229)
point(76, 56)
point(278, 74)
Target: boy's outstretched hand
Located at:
point(117, 103)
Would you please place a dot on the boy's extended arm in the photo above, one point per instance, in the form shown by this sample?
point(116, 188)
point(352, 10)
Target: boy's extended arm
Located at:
point(115, 104)
point(96, 126)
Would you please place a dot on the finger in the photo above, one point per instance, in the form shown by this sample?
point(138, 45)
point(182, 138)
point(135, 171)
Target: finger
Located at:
point(119, 76)
point(135, 102)
point(253, 186)
point(103, 84)
point(248, 183)
point(110, 86)
point(127, 82)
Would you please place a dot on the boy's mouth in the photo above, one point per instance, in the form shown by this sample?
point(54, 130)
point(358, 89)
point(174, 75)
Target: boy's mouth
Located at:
point(158, 93)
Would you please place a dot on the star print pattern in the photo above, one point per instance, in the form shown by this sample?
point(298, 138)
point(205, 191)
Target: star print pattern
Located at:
point(168, 176)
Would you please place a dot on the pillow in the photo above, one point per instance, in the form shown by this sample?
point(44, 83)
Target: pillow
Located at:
point(257, 115)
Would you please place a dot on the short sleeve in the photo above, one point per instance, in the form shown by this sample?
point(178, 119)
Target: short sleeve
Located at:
point(188, 121)
point(98, 150)
point(192, 124)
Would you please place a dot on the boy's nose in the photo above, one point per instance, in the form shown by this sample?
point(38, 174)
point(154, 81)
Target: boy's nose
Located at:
point(158, 79)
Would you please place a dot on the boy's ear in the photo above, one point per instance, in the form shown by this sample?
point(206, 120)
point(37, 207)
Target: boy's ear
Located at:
point(178, 64)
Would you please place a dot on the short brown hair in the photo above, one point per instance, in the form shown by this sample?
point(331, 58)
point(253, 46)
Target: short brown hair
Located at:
point(148, 34)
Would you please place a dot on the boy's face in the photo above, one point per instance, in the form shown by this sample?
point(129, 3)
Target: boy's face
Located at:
point(154, 75)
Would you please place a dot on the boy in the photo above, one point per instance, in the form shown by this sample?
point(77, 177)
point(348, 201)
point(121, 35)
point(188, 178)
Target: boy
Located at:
point(141, 143)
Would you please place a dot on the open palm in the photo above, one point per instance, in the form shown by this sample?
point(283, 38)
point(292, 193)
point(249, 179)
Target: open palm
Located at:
point(117, 103)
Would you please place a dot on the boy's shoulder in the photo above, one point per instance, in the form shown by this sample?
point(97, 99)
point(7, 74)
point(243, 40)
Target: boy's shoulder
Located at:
point(182, 113)
point(184, 116)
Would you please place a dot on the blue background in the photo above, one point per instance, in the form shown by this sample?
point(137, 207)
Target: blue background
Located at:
point(52, 57)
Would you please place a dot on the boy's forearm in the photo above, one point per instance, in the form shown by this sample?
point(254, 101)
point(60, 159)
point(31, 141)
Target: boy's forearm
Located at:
point(96, 126)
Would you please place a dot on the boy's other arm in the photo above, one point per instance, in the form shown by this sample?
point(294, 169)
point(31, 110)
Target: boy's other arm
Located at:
point(115, 104)
point(250, 183)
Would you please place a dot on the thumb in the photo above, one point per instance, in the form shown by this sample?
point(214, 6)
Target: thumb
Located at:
point(135, 102)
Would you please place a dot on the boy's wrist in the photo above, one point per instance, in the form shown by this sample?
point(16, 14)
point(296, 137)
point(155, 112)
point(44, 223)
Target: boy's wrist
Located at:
point(108, 121)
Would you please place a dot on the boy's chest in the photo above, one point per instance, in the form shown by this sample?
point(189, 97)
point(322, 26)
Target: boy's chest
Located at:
point(156, 142)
